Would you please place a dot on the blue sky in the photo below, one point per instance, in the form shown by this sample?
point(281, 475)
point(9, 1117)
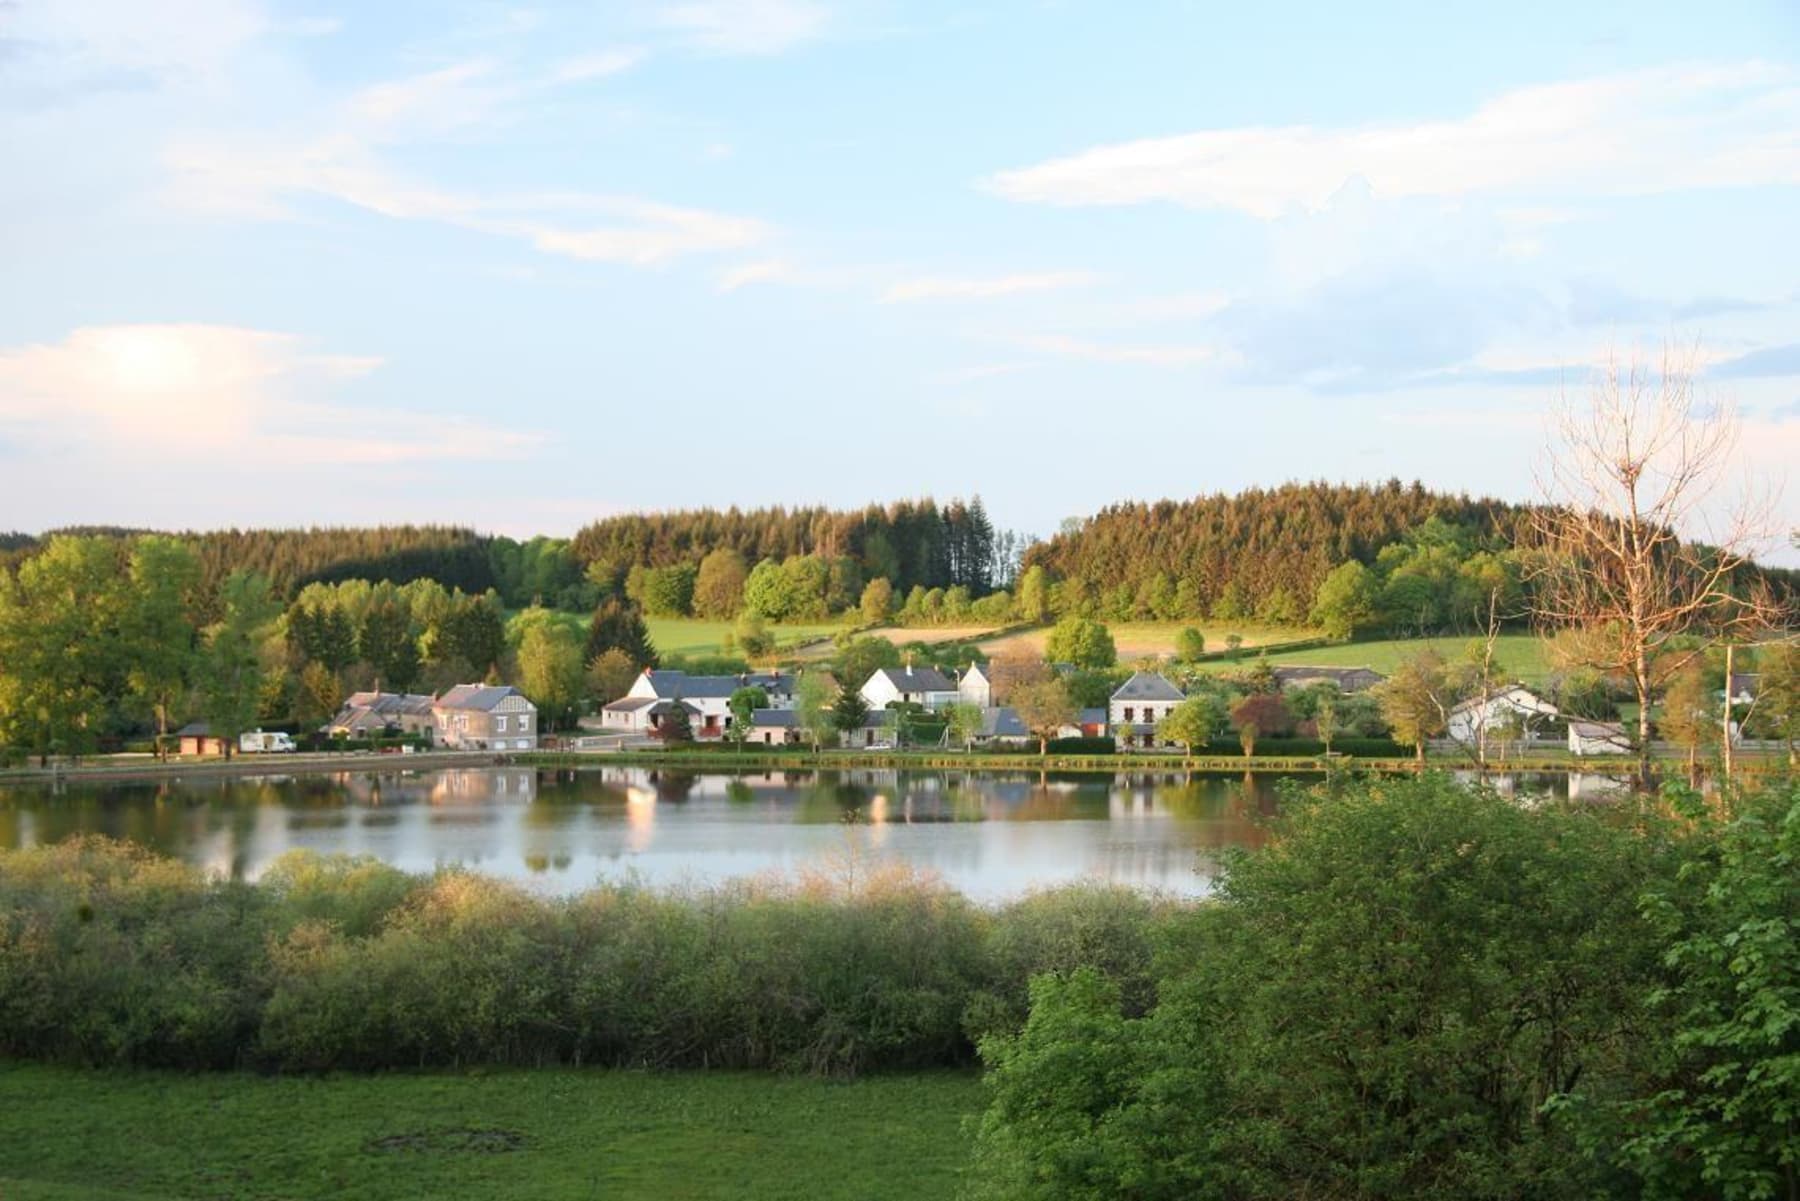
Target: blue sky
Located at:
point(521, 265)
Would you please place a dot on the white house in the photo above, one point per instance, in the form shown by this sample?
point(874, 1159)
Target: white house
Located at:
point(1140, 702)
point(1468, 722)
point(656, 694)
point(925, 686)
point(1598, 738)
point(976, 686)
point(483, 717)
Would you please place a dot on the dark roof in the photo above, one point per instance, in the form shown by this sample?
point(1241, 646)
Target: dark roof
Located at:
point(630, 704)
point(389, 702)
point(1745, 683)
point(1350, 679)
point(1148, 686)
point(195, 729)
point(916, 679)
point(668, 706)
point(677, 685)
point(476, 696)
point(1092, 717)
point(1002, 722)
point(776, 719)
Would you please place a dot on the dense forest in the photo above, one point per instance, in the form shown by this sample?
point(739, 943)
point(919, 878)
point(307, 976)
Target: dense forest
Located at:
point(909, 543)
point(1262, 551)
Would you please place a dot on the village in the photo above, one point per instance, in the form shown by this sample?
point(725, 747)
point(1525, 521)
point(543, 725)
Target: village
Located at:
point(958, 707)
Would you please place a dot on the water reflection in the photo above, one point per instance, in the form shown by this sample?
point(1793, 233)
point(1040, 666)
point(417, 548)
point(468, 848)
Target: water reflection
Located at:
point(990, 834)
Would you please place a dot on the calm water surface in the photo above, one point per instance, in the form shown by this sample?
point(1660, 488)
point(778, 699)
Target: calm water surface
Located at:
point(990, 834)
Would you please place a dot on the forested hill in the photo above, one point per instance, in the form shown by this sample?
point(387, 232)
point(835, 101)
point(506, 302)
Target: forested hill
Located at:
point(1260, 548)
point(293, 558)
point(910, 543)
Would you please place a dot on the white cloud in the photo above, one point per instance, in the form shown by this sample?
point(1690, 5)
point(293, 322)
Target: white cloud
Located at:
point(1667, 129)
point(766, 271)
point(1112, 352)
point(173, 42)
point(199, 391)
point(944, 288)
point(598, 65)
point(747, 26)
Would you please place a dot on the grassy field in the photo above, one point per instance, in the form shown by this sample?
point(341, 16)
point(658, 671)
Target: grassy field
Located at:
point(524, 1135)
point(1519, 655)
point(692, 636)
point(1136, 639)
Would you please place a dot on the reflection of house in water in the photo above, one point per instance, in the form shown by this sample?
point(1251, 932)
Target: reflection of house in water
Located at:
point(494, 785)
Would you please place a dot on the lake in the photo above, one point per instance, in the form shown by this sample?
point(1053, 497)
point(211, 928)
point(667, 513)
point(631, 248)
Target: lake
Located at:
point(991, 834)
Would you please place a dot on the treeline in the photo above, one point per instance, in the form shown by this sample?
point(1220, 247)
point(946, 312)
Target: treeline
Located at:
point(1260, 553)
point(908, 543)
point(105, 639)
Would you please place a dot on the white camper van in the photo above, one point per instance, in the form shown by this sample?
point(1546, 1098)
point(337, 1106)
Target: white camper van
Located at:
point(256, 742)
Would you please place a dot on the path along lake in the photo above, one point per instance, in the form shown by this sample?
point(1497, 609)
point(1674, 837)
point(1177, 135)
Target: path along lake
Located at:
point(994, 835)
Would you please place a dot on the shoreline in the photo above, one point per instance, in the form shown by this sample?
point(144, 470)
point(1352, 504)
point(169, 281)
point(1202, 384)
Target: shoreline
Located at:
point(330, 763)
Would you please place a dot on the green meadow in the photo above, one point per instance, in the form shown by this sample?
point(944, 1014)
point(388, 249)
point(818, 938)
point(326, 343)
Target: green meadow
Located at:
point(519, 1135)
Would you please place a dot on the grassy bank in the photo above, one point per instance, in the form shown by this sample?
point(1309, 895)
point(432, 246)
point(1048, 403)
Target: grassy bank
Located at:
point(106, 1136)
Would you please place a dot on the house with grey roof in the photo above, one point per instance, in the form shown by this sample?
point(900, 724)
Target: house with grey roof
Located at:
point(781, 727)
point(707, 699)
point(1138, 704)
point(1347, 679)
point(925, 686)
point(382, 714)
point(485, 717)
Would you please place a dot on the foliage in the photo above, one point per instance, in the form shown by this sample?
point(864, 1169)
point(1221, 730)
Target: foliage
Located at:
point(849, 711)
point(1415, 701)
point(1348, 600)
point(1081, 641)
point(877, 602)
point(1379, 1006)
point(1690, 711)
point(236, 662)
point(719, 583)
point(1192, 721)
point(813, 697)
point(60, 646)
point(1724, 1119)
point(112, 955)
point(1222, 551)
point(858, 658)
point(743, 703)
point(752, 636)
point(611, 675)
point(909, 543)
point(616, 625)
point(551, 671)
point(1190, 644)
point(1045, 707)
point(963, 721)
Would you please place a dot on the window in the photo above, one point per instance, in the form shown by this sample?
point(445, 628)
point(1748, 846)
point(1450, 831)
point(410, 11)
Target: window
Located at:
point(1129, 713)
point(500, 724)
point(524, 723)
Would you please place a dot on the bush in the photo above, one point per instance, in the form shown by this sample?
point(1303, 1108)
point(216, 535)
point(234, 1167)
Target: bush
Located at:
point(1379, 1005)
point(110, 954)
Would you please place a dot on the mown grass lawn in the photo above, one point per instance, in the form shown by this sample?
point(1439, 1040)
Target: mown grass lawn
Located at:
point(692, 636)
point(549, 1134)
point(1520, 655)
point(1136, 639)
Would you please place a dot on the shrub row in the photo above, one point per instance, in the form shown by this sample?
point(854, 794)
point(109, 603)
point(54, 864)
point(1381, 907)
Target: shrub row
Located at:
point(112, 955)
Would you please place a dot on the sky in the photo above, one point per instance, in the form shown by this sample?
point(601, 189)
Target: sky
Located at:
point(521, 265)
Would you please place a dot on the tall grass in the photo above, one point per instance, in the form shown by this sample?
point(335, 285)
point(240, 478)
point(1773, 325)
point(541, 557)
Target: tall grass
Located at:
point(112, 955)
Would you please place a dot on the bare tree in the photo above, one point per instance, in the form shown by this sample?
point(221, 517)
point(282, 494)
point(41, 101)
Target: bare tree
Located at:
point(1637, 471)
